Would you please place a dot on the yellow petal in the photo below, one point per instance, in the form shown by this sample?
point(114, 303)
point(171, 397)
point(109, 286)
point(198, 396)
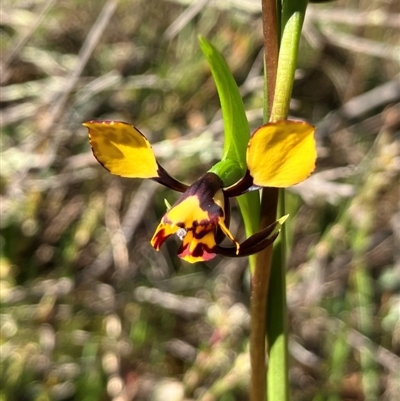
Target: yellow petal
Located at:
point(122, 149)
point(281, 154)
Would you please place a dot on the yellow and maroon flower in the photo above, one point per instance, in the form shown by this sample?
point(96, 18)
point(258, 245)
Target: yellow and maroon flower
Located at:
point(278, 155)
point(196, 218)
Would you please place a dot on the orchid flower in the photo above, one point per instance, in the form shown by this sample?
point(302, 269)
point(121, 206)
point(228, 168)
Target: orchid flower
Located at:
point(279, 154)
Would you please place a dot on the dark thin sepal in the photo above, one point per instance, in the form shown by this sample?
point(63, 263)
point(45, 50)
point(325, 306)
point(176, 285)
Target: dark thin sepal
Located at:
point(245, 184)
point(165, 179)
point(252, 245)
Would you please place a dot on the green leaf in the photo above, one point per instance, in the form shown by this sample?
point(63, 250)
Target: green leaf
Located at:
point(293, 13)
point(236, 126)
point(237, 134)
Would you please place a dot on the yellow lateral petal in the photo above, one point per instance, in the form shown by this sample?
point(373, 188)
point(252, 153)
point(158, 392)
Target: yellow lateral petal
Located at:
point(122, 149)
point(281, 154)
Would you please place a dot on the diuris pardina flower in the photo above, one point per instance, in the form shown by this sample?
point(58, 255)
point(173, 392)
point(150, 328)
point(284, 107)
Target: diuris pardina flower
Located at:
point(279, 155)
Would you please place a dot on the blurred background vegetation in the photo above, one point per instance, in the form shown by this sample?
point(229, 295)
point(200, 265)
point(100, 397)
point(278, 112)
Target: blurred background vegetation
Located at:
point(89, 311)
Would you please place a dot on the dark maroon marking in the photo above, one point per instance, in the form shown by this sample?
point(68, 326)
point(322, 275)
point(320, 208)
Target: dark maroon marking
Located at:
point(165, 220)
point(199, 251)
point(213, 219)
point(160, 238)
point(203, 233)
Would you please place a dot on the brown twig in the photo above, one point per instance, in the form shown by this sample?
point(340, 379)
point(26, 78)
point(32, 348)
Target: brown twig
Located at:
point(259, 292)
point(269, 204)
point(270, 31)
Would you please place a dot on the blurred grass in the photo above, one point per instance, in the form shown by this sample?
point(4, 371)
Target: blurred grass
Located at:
point(88, 310)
